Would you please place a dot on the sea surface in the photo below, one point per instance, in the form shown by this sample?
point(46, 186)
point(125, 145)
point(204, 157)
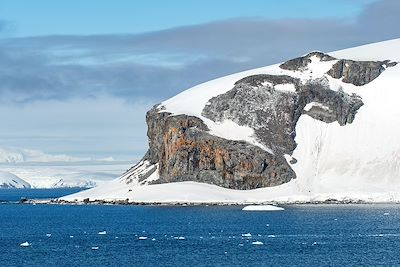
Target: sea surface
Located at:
point(301, 235)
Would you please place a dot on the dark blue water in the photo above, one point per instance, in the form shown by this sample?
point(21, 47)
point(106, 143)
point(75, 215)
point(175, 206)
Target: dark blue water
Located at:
point(14, 195)
point(305, 235)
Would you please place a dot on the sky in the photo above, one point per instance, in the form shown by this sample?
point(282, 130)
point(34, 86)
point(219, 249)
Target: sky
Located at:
point(77, 77)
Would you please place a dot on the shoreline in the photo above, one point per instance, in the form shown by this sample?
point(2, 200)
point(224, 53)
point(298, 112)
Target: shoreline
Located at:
point(186, 203)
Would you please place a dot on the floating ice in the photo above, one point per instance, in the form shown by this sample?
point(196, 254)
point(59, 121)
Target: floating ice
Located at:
point(102, 232)
point(246, 235)
point(257, 243)
point(142, 237)
point(25, 244)
point(153, 239)
point(48, 235)
point(181, 238)
point(272, 236)
point(386, 213)
point(262, 208)
point(71, 236)
point(95, 248)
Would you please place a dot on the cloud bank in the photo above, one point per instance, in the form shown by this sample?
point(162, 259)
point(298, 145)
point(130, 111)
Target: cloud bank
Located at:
point(160, 64)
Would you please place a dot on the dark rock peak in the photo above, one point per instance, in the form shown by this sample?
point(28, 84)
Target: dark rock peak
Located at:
point(301, 63)
point(358, 73)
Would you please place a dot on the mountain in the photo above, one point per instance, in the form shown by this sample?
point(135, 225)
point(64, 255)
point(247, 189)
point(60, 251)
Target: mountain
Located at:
point(314, 128)
point(9, 180)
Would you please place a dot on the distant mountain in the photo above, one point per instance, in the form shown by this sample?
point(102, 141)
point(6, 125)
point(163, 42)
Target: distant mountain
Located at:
point(317, 127)
point(9, 180)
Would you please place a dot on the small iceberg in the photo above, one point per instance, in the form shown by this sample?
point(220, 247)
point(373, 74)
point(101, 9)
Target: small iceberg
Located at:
point(181, 238)
point(257, 243)
point(246, 235)
point(25, 244)
point(95, 248)
point(386, 213)
point(262, 208)
point(271, 236)
point(48, 235)
point(102, 232)
point(71, 236)
point(142, 237)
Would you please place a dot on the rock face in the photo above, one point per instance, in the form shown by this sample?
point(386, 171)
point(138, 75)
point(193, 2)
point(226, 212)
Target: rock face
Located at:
point(185, 151)
point(183, 148)
point(357, 72)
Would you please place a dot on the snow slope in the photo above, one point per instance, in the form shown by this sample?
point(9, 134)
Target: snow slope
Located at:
point(359, 161)
point(9, 180)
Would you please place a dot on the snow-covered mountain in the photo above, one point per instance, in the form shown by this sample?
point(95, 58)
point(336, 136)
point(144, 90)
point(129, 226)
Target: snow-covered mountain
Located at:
point(9, 180)
point(66, 174)
point(317, 127)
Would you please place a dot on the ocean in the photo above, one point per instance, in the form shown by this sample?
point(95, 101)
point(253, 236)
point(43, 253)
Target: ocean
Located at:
point(106, 235)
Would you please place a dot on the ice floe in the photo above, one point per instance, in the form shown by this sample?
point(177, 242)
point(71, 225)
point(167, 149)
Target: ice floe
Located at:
point(262, 208)
point(25, 244)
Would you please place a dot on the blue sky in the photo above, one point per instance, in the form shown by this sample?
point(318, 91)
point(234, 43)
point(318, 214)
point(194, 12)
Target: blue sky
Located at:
point(47, 17)
point(77, 77)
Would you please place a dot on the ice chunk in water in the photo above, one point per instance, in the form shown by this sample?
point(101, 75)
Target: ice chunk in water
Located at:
point(25, 244)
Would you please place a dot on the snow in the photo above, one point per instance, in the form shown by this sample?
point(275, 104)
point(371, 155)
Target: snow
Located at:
point(262, 208)
point(10, 180)
point(231, 130)
point(309, 106)
point(358, 161)
point(285, 87)
point(25, 244)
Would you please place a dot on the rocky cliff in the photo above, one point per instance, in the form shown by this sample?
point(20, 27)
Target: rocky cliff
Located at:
point(184, 148)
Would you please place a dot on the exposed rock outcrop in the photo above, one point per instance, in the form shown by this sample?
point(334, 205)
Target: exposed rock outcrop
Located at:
point(301, 63)
point(357, 72)
point(185, 151)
